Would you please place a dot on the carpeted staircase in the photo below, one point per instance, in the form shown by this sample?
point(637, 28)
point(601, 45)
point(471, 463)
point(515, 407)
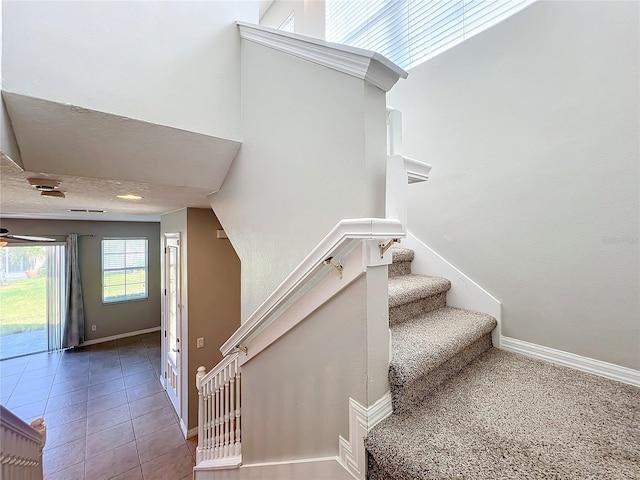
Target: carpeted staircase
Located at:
point(464, 410)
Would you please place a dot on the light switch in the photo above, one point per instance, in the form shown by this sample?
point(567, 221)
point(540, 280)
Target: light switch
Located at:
point(200, 342)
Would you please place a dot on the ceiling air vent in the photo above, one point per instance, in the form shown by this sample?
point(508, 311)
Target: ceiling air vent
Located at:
point(85, 210)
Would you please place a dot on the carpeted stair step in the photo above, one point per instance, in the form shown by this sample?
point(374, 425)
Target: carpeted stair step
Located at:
point(401, 261)
point(414, 295)
point(430, 348)
point(507, 416)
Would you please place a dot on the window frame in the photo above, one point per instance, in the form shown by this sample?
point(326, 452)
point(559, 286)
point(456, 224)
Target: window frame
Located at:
point(106, 301)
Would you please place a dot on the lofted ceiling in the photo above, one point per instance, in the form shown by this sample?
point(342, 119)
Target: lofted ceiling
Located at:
point(98, 155)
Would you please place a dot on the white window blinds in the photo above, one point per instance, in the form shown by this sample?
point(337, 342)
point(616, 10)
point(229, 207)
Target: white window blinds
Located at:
point(124, 269)
point(409, 32)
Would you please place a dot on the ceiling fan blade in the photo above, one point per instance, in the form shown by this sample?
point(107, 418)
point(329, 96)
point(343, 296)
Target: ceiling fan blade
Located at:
point(30, 238)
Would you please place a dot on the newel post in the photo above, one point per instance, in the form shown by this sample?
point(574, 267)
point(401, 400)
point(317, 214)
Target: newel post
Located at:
point(200, 373)
point(39, 426)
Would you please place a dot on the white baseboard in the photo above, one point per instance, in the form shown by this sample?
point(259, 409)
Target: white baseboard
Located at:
point(183, 427)
point(192, 432)
point(571, 360)
point(464, 293)
point(351, 452)
point(121, 335)
point(321, 468)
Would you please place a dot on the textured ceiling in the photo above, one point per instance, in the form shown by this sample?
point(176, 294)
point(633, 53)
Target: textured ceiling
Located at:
point(98, 156)
point(20, 200)
point(68, 140)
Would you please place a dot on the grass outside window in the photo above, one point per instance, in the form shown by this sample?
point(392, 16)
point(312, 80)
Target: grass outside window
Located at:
point(23, 306)
point(124, 269)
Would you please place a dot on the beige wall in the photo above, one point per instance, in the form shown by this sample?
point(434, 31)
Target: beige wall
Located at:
point(532, 130)
point(214, 296)
point(114, 318)
point(210, 296)
point(313, 153)
point(295, 394)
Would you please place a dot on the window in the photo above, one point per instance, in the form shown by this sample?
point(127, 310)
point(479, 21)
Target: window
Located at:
point(124, 269)
point(408, 32)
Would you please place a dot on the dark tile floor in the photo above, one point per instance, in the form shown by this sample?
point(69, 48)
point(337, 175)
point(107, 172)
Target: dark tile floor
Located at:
point(106, 413)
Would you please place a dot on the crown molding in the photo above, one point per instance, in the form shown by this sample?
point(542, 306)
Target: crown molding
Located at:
point(357, 62)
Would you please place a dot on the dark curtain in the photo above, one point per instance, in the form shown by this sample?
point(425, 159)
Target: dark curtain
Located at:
point(73, 327)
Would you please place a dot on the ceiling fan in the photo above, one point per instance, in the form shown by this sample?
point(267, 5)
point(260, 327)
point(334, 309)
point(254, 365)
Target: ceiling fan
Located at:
point(5, 237)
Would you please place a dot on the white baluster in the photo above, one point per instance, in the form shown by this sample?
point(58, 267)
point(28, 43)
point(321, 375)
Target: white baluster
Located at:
point(219, 416)
point(206, 420)
point(217, 447)
point(214, 419)
point(232, 413)
point(238, 430)
point(201, 413)
point(226, 414)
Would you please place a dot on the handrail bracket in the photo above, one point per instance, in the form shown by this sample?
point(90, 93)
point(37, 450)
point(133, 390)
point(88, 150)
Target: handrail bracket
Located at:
point(384, 247)
point(337, 266)
point(241, 348)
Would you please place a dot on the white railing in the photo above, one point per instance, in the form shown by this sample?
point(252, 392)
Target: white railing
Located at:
point(331, 246)
point(219, 434)
point(21, 447)
point(219, 390)
point(401, 170)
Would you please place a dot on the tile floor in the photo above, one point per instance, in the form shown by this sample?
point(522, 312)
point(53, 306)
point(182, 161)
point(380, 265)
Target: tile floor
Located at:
point(106, 413)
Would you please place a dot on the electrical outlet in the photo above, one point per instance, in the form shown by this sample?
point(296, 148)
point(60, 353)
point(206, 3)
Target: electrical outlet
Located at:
point(93, 328)
point(200, 342)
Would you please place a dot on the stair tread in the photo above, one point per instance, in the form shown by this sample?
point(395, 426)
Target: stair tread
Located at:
point(510, 416)
point(401, 254)
point(408, 288)
point(423, 343)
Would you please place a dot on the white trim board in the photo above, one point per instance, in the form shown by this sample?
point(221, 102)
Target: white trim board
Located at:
point(120, 335)
point(351, 452)
point(183, 428)
point(357, 62)
point(571, 360)
point(464, 293)
point(320, 468)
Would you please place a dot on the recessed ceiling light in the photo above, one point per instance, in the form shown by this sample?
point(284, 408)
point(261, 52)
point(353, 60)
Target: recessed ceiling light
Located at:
point(130, 197)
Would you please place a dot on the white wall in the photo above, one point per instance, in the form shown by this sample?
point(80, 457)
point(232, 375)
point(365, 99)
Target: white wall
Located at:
point(295, 394)
point(313, 153)
point(532, 130)
point(171, 63)
point(8, 144)
point(308, 14)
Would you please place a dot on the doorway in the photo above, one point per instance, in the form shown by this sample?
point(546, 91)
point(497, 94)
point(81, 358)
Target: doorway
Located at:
point(173, 319)
point(31, 298)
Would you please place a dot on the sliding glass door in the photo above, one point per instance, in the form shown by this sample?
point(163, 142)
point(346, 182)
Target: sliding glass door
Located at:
point(31, 298)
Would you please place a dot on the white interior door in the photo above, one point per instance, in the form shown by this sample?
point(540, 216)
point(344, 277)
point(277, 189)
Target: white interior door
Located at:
point(173, 310)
